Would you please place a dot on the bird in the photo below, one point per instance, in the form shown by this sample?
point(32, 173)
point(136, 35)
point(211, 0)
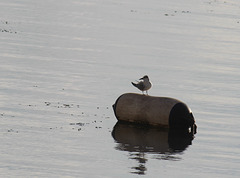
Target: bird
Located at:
point(144, 84)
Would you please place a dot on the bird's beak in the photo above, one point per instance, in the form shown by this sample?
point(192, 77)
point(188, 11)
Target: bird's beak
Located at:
point(141, 79)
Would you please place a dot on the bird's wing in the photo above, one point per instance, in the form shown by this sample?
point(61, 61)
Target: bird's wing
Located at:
point(140, 86)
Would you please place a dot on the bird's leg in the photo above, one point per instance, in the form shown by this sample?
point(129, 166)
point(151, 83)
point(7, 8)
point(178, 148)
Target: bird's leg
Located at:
point(147, 92)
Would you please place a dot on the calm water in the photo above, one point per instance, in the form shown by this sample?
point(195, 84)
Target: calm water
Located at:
point(64, 63)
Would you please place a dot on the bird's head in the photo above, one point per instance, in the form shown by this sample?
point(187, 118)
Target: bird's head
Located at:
point(144, 77)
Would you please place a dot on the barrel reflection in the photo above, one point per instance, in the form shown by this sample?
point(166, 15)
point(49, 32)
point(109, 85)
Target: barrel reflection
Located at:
point(139, 140)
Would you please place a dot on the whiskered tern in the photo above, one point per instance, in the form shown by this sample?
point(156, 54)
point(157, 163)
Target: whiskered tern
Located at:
point(144, 84)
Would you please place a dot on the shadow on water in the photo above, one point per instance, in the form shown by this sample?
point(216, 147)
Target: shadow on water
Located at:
point(140, 140)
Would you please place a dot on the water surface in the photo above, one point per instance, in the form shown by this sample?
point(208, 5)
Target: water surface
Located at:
point(63, 64)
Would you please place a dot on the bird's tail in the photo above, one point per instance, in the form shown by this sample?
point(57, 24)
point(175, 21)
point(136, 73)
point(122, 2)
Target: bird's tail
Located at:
point(134, 84)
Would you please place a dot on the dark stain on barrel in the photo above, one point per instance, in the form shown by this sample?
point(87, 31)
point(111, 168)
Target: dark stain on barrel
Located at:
point(181, 117)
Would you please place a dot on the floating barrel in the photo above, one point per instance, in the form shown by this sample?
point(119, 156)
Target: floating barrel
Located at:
point(157, 111)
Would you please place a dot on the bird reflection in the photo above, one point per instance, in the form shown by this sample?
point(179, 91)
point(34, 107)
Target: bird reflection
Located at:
point(140, 140)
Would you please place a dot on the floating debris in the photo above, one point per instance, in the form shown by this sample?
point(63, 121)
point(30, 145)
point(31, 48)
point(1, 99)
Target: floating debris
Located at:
point(175, 12)
point(133, 10)
point(80, 124)
point(11, 130)
point(7, 31)
point(47, 103)
point(186, 12)
point(66, 105)
point(31, 105)
point(5, 28)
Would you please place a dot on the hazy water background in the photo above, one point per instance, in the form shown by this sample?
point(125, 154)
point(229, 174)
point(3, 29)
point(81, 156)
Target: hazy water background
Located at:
point(64, 63)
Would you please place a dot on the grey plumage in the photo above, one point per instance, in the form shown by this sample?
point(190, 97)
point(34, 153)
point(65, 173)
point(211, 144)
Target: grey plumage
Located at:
point(144, 84)
point(139, 85)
